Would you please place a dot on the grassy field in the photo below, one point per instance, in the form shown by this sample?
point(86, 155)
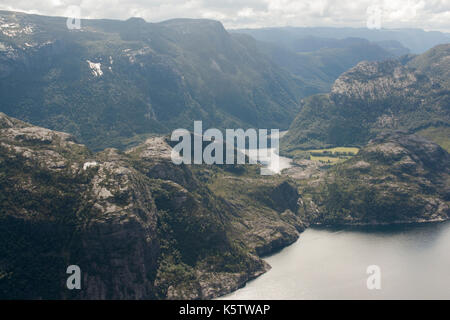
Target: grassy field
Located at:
point(332, 155)
point(440, 135)
point(337, 151)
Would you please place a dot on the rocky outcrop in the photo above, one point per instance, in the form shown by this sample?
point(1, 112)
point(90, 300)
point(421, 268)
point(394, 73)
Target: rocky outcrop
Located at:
point(396, 178)
point(407, 94)
point(376, 80)
point(100, 217)
point(138, 226)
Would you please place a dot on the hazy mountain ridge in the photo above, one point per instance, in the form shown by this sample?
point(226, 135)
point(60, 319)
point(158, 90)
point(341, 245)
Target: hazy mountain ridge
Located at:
point(319, 55)
point(319, 62)
point(416, 40)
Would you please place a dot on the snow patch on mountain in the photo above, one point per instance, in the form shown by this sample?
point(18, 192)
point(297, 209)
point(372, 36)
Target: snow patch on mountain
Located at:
point(88, 165)
point(96, 68)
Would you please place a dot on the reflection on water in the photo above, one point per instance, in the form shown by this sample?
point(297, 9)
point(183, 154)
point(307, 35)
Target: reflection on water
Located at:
point(331, 264)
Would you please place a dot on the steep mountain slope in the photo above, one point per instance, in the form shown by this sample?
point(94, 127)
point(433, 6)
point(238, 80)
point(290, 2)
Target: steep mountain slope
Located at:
point(407, 93)
point(138, 226)
point(396, 178)
point(436, 62)
point(114, 82)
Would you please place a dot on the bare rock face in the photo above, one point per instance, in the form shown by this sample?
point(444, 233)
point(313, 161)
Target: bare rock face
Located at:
point(7, 122)
point(156, 162)
point(153, 148)
point(375, 80)
point(100, 217)
point(122, 234)
point(138, 226)
point(396, 178)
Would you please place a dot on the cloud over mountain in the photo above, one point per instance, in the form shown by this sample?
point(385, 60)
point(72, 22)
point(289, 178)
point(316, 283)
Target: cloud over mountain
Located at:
point(430, 15)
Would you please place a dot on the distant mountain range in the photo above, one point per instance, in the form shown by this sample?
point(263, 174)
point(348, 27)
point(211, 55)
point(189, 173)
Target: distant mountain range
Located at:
point(318, 62)
point(114, 83)
point(319, 55)
point(416, 40)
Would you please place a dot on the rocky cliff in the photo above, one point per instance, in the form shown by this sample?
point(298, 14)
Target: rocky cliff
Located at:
point(138, 226)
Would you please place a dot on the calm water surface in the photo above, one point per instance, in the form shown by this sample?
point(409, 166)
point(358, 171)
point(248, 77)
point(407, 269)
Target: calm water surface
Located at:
point(270, 158)
point(332, 264)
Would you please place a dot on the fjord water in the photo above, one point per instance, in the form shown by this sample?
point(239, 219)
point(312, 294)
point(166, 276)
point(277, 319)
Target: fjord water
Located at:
point(332, 264)
point(270, 158)
point(273, 161)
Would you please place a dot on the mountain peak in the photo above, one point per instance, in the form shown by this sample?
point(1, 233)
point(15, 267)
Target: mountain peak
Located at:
point(136, 20)
point(194, 25)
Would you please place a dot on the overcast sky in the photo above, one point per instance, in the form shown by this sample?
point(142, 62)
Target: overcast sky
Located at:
point(429, 14)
